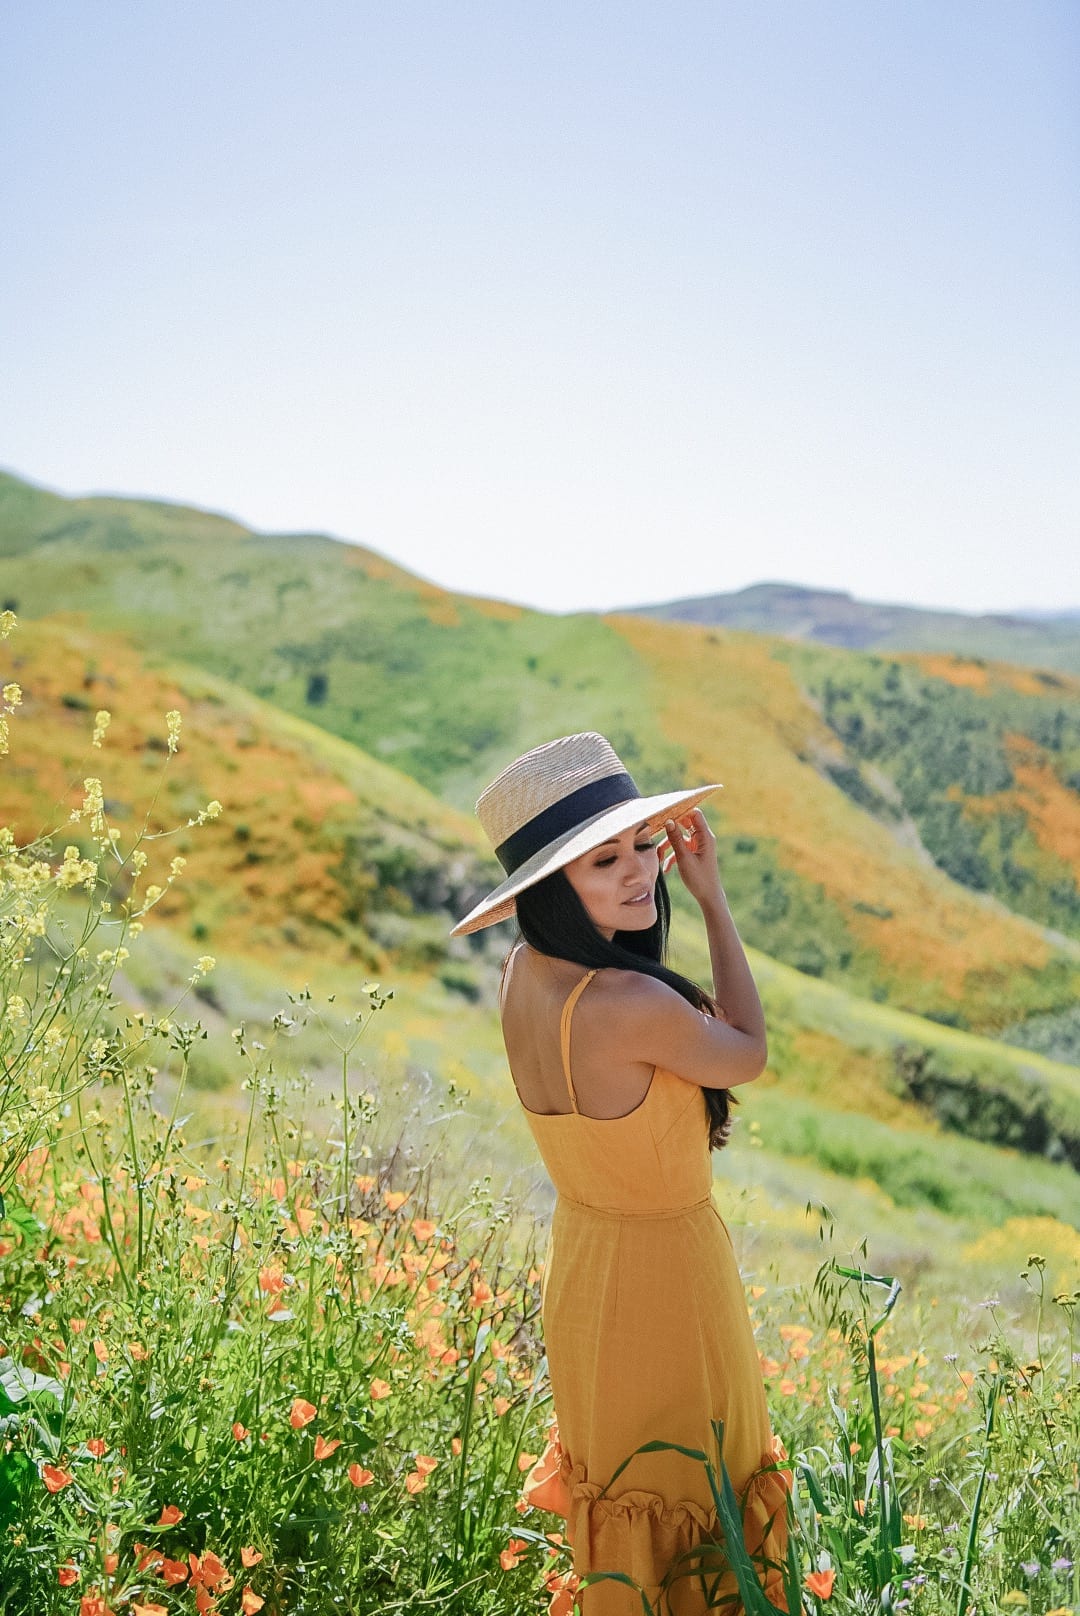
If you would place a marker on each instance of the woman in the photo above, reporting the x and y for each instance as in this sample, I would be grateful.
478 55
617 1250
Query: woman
623 1068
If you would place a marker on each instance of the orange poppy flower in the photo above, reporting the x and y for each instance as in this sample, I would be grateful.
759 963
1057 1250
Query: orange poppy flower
394 1199
511 1555
424 1464
561 1588
210 1570
250 1557
455 1446
821 1583
250 1601
93 1604
101 1352
323 1448
66 1575
56 1478
97 1446
170 1515
173 1571
148 1610
110 1563
423 1228
379 1388
360 1477
301 1413
415 1482
240 1432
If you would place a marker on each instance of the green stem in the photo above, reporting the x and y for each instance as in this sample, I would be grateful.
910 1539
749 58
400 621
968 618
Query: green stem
973 1532
102 1178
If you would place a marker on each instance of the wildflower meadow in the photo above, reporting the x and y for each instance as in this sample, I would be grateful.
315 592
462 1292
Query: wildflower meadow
288 1365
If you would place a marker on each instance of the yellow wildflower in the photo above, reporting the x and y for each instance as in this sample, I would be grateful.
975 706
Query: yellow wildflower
174 720
8 621
76 871
204 964
102 720
16 1012
93 806
13 694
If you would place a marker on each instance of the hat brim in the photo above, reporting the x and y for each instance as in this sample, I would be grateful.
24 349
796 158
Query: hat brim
499 904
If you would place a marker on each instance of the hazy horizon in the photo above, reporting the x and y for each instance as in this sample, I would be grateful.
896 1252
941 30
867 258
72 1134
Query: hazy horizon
1033 612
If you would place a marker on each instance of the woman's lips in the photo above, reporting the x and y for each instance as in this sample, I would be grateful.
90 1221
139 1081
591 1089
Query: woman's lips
644 897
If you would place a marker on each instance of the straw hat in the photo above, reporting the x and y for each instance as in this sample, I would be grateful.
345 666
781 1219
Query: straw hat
555 803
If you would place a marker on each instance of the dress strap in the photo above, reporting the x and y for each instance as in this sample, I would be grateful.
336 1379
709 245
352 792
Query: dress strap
564 1032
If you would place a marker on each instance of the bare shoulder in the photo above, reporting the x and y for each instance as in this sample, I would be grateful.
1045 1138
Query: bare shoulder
633 994
647 1021
627 1009
625 985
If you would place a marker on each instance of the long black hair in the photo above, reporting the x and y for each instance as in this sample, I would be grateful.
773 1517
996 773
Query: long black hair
554 921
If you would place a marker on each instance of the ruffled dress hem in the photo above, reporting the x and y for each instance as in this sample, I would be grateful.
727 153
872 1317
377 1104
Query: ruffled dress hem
644 1534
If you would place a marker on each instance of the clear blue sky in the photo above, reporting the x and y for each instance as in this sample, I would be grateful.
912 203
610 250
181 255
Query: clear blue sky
575 303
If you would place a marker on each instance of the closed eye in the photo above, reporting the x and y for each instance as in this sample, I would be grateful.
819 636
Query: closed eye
639 847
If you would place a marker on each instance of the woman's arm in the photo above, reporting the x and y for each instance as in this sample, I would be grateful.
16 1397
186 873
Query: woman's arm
654 1024
693 847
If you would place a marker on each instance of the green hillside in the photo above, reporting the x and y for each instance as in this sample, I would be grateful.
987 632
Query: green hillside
326 864
445 688
319 848
987 768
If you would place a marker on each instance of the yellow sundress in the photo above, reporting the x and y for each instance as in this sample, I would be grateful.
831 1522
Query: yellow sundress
648 1338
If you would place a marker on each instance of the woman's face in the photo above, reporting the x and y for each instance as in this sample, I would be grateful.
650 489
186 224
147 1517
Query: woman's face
617 882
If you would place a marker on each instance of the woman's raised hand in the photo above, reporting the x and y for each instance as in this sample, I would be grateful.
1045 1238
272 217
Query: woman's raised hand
691 845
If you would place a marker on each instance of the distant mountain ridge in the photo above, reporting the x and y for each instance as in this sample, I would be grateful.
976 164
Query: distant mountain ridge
834 617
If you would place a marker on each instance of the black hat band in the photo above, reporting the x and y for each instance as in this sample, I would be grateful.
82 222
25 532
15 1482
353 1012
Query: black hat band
565 815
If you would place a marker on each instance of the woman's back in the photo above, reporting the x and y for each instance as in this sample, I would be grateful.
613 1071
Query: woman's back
536 990
651 1158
